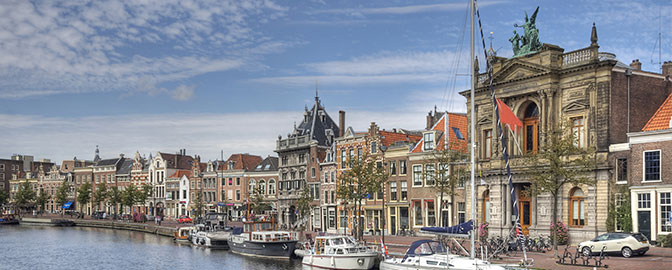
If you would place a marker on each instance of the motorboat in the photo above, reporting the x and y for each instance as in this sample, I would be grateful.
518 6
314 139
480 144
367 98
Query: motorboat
204 236
338 252
182 234
8 220
260 239
431 255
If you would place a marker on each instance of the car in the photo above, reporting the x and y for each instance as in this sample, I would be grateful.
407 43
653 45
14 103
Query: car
627 244
99 215
184 219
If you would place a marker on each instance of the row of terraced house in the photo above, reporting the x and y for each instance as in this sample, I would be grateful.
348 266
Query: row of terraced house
621 111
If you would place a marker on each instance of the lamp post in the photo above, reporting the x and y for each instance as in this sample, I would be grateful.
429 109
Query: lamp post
383 148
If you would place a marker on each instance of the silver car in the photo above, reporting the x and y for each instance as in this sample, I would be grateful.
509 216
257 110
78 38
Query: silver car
627 244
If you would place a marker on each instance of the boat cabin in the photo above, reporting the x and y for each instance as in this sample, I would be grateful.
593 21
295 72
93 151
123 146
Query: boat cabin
337 245
270 236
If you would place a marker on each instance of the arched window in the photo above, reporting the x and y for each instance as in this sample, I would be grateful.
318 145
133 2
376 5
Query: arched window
531 128
271 187
262 186
577 212
253 186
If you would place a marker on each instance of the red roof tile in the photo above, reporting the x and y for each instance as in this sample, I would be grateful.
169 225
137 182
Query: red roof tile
455 120
179 174
660 119
390 138
244 161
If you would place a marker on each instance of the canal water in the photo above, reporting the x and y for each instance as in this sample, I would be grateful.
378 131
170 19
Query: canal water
41 247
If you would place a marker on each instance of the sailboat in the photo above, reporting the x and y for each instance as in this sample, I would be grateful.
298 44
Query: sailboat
430 254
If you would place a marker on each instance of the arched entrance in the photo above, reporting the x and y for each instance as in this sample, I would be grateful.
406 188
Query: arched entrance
531 128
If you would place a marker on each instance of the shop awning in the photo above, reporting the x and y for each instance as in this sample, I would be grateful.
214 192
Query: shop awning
67 205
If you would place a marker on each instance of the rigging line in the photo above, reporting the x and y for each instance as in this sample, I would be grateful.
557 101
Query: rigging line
448 105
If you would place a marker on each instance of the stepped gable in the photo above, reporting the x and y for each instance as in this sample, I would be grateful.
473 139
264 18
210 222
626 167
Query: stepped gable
661 119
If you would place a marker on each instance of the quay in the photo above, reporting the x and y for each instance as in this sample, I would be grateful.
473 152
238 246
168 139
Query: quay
106 224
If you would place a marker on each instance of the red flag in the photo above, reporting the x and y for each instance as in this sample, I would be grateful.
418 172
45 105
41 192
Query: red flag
507 117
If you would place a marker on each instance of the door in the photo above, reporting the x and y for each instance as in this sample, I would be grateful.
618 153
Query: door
644 223
525 216
393 225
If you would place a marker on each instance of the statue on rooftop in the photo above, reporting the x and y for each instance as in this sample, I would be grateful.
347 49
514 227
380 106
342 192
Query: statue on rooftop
529 42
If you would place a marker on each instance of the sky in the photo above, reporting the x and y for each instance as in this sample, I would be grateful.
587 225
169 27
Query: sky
218 75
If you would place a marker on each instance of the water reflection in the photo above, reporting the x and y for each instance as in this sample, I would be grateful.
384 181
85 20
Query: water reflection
37 247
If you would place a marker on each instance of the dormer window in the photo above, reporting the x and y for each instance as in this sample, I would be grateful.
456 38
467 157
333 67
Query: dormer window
428 144
195 173
231 164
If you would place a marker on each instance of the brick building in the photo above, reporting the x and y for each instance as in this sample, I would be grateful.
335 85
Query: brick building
234 183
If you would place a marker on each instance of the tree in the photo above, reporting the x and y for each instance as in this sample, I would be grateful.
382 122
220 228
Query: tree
4 197
199 204
100 195
62 195
42 199
83 195
257 201
25 196
560 162
115 198
303 204
447 174
360 181
129 197
143 194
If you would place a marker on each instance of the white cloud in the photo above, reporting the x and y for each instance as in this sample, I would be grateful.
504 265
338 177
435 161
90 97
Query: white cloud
183 93
402 10
203 134
52 47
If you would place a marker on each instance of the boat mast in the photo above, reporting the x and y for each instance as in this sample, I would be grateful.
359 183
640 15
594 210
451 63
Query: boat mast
472 143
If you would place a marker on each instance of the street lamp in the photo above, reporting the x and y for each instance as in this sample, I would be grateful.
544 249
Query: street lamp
383 148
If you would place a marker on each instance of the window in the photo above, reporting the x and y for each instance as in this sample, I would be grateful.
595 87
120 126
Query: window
333 196
374 147
578 131
487 143
302 175
644 200
351 154
333 177
326 196
531 129
302 158
359 153
461 212
284 160
429 174
238 195
237 181
393 167
393 191
342 159
652 165
418 213
312 172
326 177
343 219
431 214
622 170
404 190
577 210
620 202
2 167
271 187
417 175
262 187
402 167
665 212
428 143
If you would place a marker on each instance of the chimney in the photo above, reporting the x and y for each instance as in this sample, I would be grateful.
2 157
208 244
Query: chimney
667 68
341 123
430 120
121 156
636 65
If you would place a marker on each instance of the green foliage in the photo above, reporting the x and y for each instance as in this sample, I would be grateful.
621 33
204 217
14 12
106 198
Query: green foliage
129 196
114 194
62 194
559 229
303 204
42 199
665 240
620 214
83 194
4 197
257 201
25 196
143 194
100 195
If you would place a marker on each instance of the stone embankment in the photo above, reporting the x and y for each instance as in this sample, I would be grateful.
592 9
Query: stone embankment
107 224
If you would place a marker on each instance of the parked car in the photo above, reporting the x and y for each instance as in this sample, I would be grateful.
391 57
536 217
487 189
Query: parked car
184 219
99 215
627 244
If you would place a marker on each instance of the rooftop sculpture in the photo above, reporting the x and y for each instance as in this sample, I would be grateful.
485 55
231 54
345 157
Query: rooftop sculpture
529 42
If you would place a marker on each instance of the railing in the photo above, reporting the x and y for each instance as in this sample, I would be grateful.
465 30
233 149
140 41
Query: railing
292 142
581 56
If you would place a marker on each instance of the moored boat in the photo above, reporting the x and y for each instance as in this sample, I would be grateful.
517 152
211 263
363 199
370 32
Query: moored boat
8 220
432 255
201 235
260 239
338 252
182 234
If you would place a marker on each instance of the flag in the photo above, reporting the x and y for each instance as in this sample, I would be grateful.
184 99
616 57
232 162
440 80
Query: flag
507 117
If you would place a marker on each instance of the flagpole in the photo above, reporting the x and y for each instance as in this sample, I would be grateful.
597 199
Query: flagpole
472 143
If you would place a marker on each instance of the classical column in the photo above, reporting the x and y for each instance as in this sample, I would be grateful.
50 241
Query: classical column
508 207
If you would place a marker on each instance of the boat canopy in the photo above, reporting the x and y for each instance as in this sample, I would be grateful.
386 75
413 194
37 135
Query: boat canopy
462 228
425 247
67 205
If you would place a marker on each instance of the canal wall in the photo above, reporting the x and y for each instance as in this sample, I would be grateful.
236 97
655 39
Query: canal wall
128 226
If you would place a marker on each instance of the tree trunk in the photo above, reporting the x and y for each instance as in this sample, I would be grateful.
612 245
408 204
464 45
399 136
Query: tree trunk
441 206
554 221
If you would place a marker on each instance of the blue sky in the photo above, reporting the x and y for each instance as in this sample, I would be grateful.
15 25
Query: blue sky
233 75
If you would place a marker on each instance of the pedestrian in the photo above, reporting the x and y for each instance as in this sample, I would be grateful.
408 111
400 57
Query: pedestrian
160 220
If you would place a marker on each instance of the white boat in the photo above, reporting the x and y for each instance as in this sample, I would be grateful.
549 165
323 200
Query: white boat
432 255
200 236
183 234
338 252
